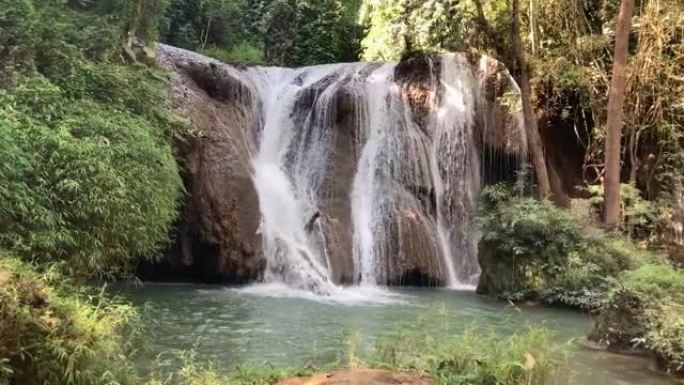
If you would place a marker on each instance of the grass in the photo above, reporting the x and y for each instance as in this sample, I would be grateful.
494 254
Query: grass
183 368
244 53
53 335
474 357
655 281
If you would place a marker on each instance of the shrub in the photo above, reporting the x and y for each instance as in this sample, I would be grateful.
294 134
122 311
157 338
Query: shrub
244 53
647 312
665 334
80 182
51 335
87 174
640 217
661 289
533 250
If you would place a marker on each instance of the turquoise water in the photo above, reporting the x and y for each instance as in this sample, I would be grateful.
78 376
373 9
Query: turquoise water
233 326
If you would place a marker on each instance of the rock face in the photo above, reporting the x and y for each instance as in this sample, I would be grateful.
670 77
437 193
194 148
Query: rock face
218 238
620 323
346 173
362 377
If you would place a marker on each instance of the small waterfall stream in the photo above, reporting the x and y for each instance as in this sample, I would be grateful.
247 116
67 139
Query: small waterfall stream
367 173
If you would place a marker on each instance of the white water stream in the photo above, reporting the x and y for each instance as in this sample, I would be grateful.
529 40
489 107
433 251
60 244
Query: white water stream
411 197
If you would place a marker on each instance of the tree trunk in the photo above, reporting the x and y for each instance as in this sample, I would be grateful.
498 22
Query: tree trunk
616 98
536 146
204 37
492 38
131 31
481 19
533 28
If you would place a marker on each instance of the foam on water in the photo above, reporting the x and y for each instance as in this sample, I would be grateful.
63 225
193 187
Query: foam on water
349 296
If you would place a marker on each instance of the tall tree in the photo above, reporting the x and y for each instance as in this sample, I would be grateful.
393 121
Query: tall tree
139 21
536 146
616 98
423 24
306 32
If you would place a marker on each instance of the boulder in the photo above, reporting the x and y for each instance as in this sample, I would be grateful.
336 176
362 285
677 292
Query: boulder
362 377
217 238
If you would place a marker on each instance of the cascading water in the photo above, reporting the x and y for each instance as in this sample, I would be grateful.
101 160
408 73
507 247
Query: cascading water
287 170
456 169
368 173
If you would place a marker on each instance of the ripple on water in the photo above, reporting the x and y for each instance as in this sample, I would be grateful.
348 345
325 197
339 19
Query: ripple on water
274 323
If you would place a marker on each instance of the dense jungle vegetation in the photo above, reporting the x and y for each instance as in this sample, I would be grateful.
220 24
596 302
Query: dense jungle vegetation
89 184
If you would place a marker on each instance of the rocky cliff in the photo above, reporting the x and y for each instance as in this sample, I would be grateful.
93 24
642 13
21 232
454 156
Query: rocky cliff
443 144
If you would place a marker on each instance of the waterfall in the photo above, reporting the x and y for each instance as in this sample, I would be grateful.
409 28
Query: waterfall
287 173
369 173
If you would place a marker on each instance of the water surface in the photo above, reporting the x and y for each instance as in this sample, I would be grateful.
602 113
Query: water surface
273 324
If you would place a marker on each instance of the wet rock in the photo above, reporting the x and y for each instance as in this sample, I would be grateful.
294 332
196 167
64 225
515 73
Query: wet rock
362 377
218 238
411 255
620 322
416 74
219 233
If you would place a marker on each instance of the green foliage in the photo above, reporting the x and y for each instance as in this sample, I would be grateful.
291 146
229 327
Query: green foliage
648 312
183 368
276 32
242 54
279 25
535 250
53 335
319 32
137 17
640 217
474 357
82 183
194 24
305 32
87 174
665 333
397 27
15 53
537 233
655 281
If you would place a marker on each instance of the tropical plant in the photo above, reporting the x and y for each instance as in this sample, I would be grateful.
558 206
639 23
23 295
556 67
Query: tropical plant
87 173
535 250
53 335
